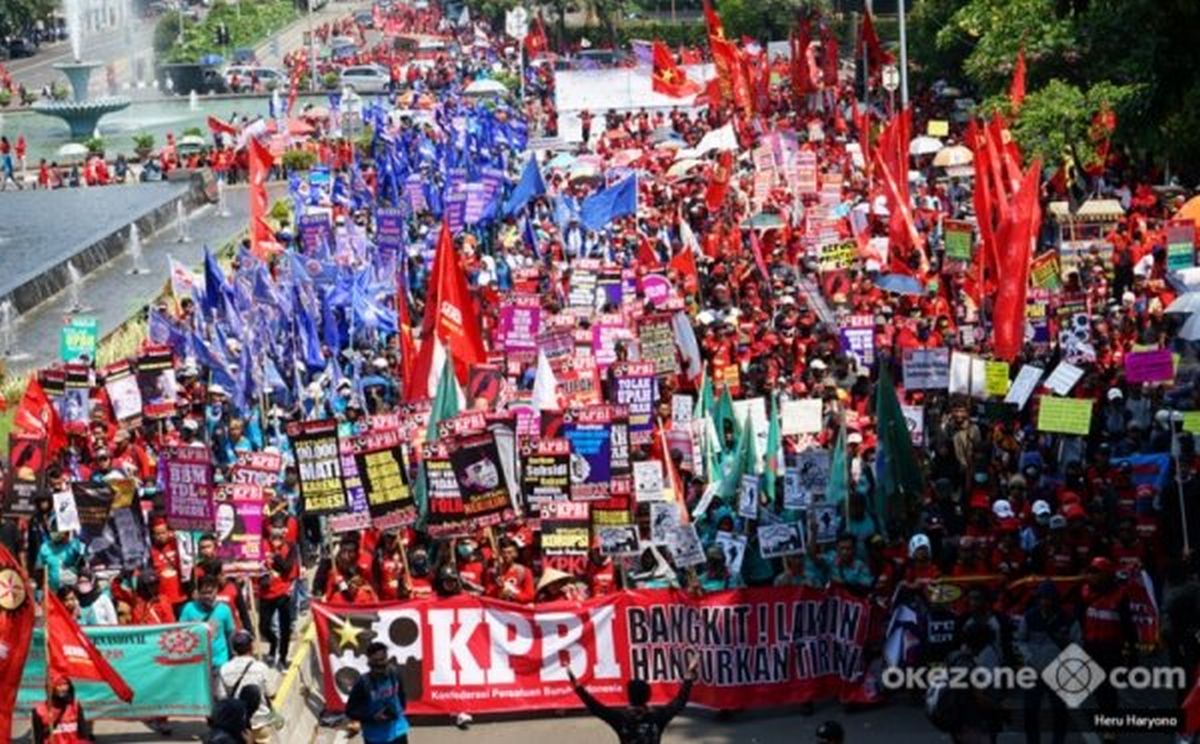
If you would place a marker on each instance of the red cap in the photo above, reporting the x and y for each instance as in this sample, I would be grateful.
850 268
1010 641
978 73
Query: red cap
1102 565
1074 511
980 501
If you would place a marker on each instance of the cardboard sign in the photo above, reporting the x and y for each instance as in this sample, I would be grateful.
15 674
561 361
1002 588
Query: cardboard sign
914 417
685 546
379 459
122 387
1149 366
926 369
618 540
187 478
566 535
1044 271
66 514
801 416
319 464
968 375
1023 387
1181 244
239 527
734 547
748 497
682 409
1065 415
664 521
937 128
813 469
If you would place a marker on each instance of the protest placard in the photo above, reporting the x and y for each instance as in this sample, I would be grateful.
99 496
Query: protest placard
1181 244
123 392
812 469
379 458
664 521
1064 377
802 416
78 337
1044 271
479 469
187 481
858 337
996 378
1064 415
545 471
968 375
682 408
566 535
748 497
66 514
1023 387
937 128
656 340
258 468
318 463
648 481
778 540
618 540
926 369
734 548
835 256
636 387
825 519
795 497
914 417
959 239
589 430
239 527
685 546
1149 366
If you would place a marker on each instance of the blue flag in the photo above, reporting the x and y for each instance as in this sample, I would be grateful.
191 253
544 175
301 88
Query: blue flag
214 284
528 187
603 207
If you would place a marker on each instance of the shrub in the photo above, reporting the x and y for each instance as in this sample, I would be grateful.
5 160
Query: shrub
95 145
5 98
299 160
143 141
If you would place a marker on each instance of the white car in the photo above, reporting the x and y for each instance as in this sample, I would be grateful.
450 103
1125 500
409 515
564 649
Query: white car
246 75
366 78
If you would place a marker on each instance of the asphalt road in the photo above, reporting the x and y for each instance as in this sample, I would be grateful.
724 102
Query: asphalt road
114 45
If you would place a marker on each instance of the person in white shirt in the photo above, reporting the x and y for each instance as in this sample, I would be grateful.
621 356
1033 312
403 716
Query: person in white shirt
242 671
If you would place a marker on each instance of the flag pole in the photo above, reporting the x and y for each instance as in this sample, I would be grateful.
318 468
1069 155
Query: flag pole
46 628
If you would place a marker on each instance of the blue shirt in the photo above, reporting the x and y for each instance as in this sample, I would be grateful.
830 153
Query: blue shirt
383 693
221 617
56 556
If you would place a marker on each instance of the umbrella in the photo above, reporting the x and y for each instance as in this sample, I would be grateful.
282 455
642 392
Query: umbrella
624 158
72 152
669 145
924 146
663 134
1191 329
583 171
900 284
316 112
1185 304
561 161
299 127
680 168
953 155
211 59
1190 210
191 142
764 221
485 87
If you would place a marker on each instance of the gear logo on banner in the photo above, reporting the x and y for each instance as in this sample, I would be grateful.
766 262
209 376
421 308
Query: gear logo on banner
1073 675
351 634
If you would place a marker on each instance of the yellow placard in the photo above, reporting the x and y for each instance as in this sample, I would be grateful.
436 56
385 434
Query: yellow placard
1065 415
996 378
1191 421
937 128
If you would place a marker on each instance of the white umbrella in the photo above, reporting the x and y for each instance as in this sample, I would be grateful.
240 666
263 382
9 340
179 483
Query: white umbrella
485 87
1191 329
72 152
954 155
924 145
1184 304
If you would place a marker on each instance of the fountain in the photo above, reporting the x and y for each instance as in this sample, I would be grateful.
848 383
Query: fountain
135 252
8 333
74 287
222 204
193 100
181 224
80 112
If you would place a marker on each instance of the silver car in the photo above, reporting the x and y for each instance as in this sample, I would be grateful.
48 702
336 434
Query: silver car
366 78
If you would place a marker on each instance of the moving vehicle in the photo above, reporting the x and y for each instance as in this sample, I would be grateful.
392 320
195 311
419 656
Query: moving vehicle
366 78
242 77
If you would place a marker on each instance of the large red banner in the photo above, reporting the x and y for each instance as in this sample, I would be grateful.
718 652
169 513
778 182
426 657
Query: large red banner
756 647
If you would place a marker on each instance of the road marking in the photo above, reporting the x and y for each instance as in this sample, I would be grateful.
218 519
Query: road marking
293 672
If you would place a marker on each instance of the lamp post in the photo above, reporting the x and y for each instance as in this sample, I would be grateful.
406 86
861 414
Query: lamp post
903 56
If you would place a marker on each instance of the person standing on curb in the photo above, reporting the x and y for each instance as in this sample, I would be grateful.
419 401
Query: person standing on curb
639 723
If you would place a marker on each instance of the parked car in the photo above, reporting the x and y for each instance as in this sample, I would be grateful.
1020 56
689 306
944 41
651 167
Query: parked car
240 78
365 19
366 78
19 46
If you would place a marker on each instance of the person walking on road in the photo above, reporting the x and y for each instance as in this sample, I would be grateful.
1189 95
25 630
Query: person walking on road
377 700
639 723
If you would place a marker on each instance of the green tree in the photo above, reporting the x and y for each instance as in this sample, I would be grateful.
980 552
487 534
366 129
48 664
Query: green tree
1055 121
764 19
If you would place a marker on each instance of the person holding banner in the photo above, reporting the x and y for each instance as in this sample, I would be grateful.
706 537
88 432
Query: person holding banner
639 723
508 579
60 720
282 569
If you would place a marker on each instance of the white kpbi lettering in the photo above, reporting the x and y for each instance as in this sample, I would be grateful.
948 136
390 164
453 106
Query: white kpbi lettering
451 647
513 634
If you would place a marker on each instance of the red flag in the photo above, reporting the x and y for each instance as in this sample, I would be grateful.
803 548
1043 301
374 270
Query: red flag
667 78
535 40
829 58
731 74
718 187
37 416
262 241
756 249
16 633
801 79
1014 243
876 56
684 262
449 311
292 92
713 21
1016 89
72 653
217 126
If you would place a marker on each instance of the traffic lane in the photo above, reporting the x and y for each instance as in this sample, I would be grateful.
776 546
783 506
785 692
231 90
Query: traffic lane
38 70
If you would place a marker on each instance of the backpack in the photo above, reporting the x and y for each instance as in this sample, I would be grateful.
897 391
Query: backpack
641 729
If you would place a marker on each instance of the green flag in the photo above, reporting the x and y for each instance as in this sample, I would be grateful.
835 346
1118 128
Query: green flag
773 462
445 405
724 412
705 402
838 489
899 481
737 462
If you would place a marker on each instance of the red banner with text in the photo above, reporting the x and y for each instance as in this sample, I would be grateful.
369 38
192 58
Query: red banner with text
757 648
